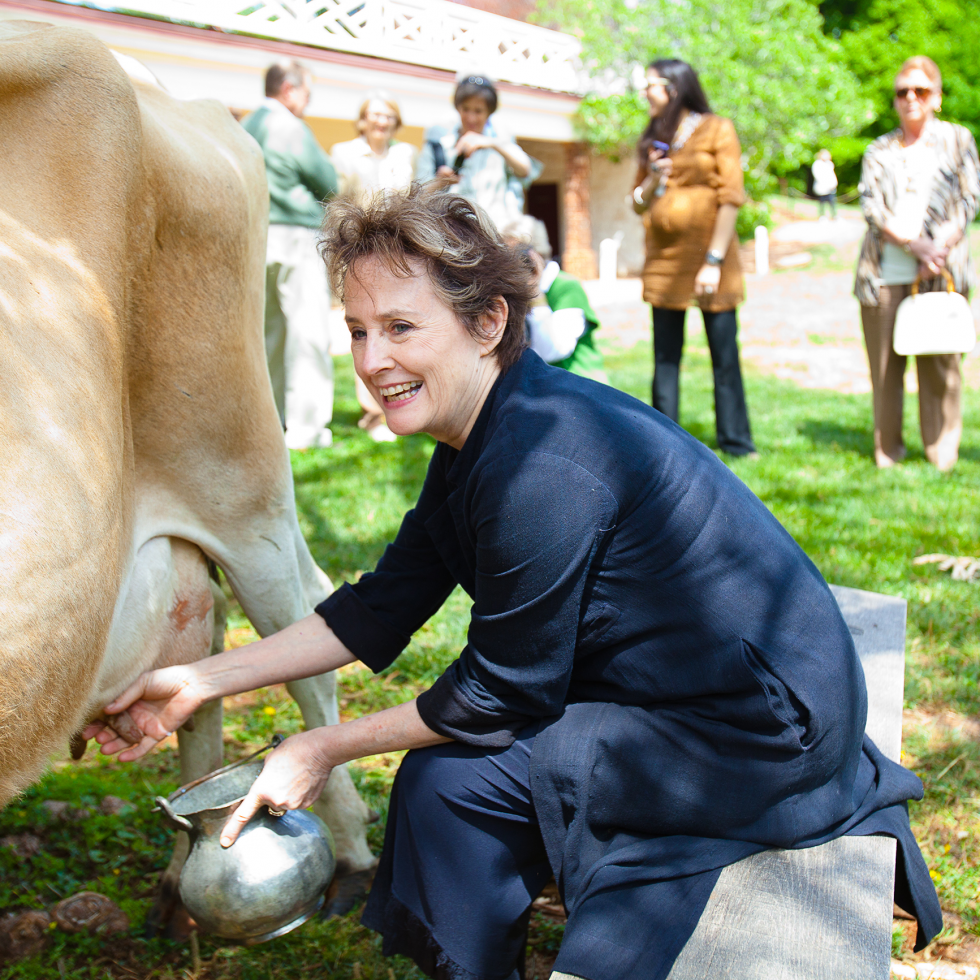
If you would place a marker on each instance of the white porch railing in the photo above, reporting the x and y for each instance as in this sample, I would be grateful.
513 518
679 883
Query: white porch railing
436 33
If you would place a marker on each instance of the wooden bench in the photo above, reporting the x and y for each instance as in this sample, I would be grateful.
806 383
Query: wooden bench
823 913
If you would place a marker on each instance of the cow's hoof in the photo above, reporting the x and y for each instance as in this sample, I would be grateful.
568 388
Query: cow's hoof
180 926
346 891
164 910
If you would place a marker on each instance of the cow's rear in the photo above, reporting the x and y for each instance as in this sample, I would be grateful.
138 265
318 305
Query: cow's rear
70 156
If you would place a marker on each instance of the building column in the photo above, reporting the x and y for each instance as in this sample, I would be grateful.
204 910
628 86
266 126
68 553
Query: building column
578 259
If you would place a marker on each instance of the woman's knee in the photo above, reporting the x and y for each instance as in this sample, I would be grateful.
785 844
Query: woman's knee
424 773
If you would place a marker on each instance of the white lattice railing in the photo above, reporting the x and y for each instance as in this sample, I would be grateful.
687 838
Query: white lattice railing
425 32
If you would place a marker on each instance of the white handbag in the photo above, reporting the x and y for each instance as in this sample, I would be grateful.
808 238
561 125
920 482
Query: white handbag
934 323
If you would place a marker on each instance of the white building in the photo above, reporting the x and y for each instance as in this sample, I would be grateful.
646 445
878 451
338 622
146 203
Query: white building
221 48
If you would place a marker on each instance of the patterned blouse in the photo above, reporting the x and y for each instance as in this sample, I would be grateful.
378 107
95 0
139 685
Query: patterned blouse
955 196
485 177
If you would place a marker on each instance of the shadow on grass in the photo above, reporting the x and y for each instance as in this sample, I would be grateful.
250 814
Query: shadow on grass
835 436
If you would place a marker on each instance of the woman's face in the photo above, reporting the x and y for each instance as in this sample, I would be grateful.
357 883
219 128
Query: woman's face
473 114
379 121
424 367
658 92
916 98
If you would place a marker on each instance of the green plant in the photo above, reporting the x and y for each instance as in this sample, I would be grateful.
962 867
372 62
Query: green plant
751 215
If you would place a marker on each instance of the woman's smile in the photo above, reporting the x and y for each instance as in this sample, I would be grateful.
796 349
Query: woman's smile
393 394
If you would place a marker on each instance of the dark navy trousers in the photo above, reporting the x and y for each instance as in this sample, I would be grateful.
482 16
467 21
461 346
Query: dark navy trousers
464 858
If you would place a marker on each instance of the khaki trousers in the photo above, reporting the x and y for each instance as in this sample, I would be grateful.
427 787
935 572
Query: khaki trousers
297 335
940 420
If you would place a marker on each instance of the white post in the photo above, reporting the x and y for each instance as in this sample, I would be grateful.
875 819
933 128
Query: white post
608 260
761 251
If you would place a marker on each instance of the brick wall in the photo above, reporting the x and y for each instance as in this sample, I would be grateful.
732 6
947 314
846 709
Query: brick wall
578 258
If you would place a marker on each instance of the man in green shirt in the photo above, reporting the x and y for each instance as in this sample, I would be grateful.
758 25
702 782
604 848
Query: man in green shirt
297 305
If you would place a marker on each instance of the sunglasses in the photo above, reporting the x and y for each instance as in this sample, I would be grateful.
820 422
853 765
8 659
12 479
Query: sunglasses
920 92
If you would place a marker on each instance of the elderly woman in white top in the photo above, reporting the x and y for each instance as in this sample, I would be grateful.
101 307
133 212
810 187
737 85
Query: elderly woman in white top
475 159
920 190
374 162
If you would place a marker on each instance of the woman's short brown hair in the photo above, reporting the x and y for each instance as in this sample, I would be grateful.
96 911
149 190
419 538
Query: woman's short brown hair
921 63
468 263
378 95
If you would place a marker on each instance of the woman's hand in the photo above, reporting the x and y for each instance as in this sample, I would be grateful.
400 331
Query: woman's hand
469 143
707 280
292 778
159 702
661 166
446 176
931 256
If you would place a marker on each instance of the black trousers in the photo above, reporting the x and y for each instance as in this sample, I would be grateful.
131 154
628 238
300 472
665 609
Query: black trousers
731 414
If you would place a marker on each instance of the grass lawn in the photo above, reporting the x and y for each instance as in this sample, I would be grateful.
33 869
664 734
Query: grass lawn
862 528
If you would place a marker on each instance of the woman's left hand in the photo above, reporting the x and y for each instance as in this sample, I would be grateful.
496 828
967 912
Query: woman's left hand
707 280
292 778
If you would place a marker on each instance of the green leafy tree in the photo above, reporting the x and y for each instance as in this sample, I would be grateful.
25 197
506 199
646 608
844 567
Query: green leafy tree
766 64
876 36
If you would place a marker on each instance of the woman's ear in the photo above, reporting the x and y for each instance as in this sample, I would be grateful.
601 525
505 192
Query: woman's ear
494 323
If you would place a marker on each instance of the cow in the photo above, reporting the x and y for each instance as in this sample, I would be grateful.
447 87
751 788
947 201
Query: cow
141 442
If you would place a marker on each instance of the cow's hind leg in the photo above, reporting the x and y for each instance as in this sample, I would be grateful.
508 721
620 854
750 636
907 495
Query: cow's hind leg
201 752
340 806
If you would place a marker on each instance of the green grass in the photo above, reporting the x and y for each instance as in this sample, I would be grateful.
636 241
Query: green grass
862 527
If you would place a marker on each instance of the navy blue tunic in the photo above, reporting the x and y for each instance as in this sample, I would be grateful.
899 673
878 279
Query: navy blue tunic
696 691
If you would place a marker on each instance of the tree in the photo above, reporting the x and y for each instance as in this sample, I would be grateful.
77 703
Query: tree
878 35
766 64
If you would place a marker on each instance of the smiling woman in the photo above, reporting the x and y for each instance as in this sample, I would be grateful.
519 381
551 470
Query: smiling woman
656 681
435 304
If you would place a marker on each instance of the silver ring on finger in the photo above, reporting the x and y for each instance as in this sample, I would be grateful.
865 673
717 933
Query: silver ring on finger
276 813
709 289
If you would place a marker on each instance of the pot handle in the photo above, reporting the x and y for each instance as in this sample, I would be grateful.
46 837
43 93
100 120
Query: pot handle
174 819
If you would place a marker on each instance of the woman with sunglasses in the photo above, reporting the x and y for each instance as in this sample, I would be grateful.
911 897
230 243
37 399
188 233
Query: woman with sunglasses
919 191
688 189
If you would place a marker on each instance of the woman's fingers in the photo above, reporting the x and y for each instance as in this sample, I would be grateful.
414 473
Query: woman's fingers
291 779
129 752
132 693
236 822
92 729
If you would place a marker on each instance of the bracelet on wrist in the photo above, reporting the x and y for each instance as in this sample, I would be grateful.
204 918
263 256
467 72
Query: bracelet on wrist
907 247
714 258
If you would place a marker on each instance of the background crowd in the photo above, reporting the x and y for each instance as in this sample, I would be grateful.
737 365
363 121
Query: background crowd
920 190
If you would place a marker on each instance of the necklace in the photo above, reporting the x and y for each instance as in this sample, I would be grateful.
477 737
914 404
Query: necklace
685 130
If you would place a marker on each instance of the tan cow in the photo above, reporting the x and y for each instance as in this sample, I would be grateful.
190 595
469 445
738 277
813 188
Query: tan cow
137 423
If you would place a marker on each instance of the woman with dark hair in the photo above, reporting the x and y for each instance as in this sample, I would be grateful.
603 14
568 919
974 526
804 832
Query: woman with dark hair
688 189
474 158
656 681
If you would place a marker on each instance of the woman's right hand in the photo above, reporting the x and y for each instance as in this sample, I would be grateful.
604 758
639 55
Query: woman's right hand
660 164
159 701
446 176
931 255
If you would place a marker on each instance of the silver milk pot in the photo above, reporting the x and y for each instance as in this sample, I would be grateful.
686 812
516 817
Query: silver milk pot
271 880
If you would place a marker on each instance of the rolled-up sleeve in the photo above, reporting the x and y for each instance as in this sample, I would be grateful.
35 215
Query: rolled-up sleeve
537 521
376 617
969 178
728 160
